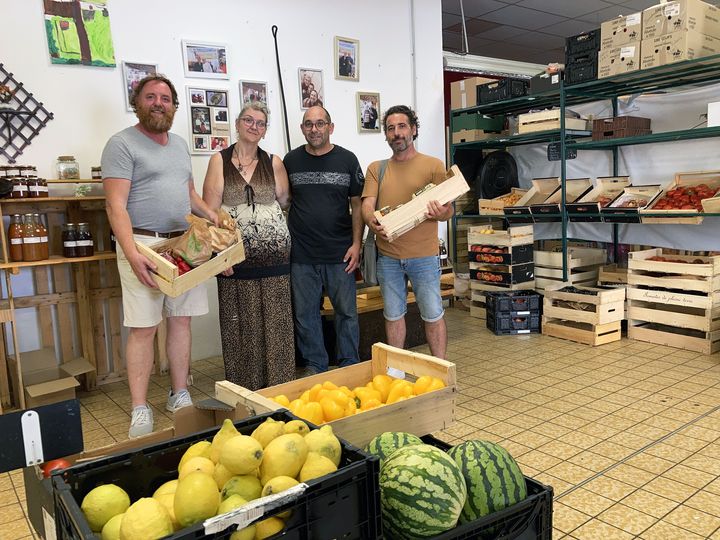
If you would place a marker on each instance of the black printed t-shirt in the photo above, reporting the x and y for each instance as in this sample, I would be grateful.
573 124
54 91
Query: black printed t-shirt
319 219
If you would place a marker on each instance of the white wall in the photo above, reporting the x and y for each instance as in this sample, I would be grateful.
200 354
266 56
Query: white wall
88 101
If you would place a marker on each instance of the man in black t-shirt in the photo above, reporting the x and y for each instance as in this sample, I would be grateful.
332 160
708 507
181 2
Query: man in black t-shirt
325 181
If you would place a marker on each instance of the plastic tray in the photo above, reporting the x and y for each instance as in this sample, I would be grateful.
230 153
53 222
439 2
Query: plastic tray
513 301
512 323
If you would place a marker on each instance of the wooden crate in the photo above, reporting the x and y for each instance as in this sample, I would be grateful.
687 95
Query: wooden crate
589 334
686 180
476 285
420 415
601 307
513 236
605 190
574 189
671 336
629 202
582 266
547 121
642 271
494 207
539 191
411 214
612 274
167 274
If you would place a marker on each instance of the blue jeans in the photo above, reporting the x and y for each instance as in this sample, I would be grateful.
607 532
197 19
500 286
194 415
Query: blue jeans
308 281
423 273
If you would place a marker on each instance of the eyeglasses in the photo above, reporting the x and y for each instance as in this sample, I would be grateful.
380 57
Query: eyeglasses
249 121
320 124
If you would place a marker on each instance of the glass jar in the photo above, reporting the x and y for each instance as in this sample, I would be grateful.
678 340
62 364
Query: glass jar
15 234
20 188
69 240
31 249
42 234
43 188
84 240
68 168
96 173
34 185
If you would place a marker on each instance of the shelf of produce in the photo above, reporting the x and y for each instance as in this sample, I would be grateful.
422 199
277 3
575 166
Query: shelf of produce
54 259
537 137
668 136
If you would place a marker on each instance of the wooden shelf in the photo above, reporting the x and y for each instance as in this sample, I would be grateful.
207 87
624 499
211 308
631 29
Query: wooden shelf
30 200
54 259
75 181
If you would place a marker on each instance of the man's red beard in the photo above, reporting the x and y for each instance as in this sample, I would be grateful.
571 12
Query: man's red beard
155 123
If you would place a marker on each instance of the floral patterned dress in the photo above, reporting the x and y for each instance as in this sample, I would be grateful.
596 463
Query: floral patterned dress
256 324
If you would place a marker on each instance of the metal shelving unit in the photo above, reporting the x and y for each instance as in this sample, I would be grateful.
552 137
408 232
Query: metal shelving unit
661 79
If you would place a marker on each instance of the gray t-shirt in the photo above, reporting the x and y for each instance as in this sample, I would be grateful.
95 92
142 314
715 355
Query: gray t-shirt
159 197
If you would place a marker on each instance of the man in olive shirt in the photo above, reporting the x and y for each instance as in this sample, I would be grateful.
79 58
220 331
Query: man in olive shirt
414 255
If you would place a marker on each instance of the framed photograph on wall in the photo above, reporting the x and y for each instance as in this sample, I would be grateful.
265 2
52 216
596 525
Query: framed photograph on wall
368 111
253 91
312 91
133 73
207 60
210 120
347 59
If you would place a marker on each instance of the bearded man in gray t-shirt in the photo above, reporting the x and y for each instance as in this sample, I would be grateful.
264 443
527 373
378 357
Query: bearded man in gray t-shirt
149 190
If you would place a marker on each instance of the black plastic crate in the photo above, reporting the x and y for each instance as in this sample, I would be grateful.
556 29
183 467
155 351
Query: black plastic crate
345 504
502 89
530 519
513 301
587 41
501 255
511 323
504 276
581 67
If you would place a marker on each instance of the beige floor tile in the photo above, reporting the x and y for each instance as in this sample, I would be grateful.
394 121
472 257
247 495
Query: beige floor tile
669 452
649 502
10 513
687 443
703 463
580 440
538 460
599 530
689 476
590 460
627 519
560 450
551 430
567 519
667 531
459 429
650 463
704 434
8 496
531 439
694 520
559 486
630 440
705 501
670 489
630 475
16 530
586 501
610 488
570 472
612 450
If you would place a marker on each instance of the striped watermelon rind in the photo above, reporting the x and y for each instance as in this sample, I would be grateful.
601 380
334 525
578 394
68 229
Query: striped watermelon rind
422 492
493 478
386 443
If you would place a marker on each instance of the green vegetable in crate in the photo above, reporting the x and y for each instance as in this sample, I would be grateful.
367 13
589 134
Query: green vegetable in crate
493 478
102 503
422 492
386 443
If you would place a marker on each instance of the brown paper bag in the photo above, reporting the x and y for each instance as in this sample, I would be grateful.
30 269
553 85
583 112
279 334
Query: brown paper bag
194 246
224 236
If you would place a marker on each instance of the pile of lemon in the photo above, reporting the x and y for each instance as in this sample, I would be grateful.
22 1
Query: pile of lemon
326 401
215 477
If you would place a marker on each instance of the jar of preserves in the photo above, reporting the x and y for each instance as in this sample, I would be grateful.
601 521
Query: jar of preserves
43 188
31 248
84 240
20 189
96 173
34 185
68 168
69 240
15 235
42 234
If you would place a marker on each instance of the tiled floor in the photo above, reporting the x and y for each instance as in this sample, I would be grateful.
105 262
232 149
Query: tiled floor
628 434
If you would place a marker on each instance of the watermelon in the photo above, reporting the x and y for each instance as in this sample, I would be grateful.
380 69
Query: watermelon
422 492
493 478
386 443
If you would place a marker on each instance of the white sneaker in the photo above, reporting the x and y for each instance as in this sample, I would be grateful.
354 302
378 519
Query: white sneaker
178 400
142 421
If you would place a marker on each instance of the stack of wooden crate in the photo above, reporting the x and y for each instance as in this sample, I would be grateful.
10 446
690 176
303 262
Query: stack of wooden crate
461 230
674 300
499 261
582 266
589 315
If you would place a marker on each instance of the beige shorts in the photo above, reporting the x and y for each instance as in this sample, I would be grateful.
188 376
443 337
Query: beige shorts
144 307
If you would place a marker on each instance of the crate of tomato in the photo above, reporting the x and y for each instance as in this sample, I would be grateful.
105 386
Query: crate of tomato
685 195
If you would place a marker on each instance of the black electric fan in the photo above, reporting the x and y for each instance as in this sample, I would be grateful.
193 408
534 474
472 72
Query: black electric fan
496 176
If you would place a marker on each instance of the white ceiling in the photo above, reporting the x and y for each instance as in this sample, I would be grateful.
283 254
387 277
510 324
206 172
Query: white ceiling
528 30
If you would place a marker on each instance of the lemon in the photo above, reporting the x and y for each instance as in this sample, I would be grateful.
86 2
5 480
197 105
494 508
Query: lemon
197 464
241 454
268 527
276 485
196 499
297 426
102 503
325 443
146 519
248 533
284 456
226 432
316 466
267 431
201 448
167 487
111 530
231 503
248 486
168 501
221 475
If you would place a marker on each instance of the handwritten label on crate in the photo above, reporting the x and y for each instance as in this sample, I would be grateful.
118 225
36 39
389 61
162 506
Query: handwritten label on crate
553 152
665 297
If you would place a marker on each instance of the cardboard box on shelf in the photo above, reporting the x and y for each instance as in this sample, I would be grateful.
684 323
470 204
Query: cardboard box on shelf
668 17
676 47
621 31
619 60
463 94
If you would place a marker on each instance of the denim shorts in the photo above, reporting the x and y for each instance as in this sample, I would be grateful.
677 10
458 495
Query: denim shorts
423 273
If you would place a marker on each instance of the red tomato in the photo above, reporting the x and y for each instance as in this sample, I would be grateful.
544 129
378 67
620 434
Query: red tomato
55 464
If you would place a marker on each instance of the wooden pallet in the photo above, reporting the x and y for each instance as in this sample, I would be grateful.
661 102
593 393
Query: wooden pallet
602 307
589 334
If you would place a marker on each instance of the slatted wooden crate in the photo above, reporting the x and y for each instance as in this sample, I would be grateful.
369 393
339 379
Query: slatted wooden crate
590 305
674 301
582 266
589 334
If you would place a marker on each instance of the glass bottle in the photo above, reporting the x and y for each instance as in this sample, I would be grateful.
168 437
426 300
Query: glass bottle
443 253
15 234
84 240
41 232
31 249
69 239
68 168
